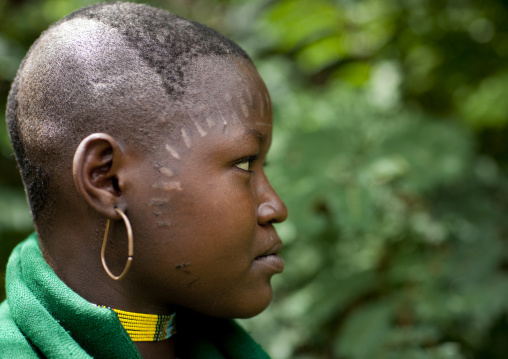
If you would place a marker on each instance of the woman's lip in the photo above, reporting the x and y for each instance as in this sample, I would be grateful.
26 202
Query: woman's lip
273 261
274 249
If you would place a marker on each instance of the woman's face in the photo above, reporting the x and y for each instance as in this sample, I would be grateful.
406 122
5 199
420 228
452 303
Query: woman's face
202 210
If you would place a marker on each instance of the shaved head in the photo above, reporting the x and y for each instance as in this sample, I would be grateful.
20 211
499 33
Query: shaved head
106 68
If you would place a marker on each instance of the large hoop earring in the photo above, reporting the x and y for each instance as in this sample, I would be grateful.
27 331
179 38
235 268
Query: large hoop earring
130 249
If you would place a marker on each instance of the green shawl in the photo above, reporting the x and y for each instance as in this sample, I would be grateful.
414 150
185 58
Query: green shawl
42 317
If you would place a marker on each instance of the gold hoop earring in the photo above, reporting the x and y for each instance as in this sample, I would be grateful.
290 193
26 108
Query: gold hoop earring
130 238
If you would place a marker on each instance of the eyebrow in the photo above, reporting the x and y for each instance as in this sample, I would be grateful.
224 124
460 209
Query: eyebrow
258 135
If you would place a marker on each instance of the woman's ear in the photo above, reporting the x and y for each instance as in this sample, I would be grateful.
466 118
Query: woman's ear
95 169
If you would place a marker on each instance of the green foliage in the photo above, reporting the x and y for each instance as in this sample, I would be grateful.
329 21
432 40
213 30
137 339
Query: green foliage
431 43
384 236
390 152
395 241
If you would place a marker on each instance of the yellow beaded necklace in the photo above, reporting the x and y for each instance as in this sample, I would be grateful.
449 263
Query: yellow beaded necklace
146 327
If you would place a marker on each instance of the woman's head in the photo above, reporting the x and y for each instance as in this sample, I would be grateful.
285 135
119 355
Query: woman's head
125 106
102 68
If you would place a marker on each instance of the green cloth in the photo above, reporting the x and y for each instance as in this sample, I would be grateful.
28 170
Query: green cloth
42 317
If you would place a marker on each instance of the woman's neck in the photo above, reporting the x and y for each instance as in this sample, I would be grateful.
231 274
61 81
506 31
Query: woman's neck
155 350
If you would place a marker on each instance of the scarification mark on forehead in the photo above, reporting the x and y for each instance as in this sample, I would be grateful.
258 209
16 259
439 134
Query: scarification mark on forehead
263 124
166 172
169 186
211 123
261 103
245 108
224 122
156 214
172 152
235 118
186 138
201 132
158 202
250 97
252 80
163 224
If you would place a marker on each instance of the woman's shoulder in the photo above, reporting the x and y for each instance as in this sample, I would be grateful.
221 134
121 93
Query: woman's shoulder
13 344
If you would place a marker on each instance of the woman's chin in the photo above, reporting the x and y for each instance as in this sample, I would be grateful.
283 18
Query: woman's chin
244 308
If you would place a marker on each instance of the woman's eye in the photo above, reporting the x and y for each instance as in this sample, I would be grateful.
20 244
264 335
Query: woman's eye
244 165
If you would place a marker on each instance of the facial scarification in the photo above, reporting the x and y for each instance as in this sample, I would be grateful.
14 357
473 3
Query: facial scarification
263 124
209 202
211 123
224 122
201 132
245 109
172 152
166 171
186 138
261 103
157 202
241 105
236 119
169 186
163 224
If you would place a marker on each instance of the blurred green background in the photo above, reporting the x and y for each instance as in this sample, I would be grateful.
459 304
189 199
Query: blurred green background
391 152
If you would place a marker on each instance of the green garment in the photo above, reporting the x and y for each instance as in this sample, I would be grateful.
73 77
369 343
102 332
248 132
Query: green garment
42 317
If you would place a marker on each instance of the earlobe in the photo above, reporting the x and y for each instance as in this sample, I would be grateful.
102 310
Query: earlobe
95 170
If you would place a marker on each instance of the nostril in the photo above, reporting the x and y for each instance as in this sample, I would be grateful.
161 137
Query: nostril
265 210
269 213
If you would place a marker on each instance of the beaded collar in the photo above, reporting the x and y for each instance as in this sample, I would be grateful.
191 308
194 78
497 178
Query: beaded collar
146 327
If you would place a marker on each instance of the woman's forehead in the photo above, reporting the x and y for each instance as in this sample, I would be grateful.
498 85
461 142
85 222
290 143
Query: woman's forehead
225 80
224 97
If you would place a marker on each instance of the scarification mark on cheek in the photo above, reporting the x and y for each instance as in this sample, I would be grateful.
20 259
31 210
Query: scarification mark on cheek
172 152
166 172
163 224
169 186
263 124
186 138
156 202
201 132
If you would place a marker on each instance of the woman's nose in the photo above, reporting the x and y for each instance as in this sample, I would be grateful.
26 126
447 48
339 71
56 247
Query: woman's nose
271 208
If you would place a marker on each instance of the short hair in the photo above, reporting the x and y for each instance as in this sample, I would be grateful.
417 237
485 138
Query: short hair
96 70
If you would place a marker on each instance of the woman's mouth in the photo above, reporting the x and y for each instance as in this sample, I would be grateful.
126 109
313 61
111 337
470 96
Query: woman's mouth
270 257
273 261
